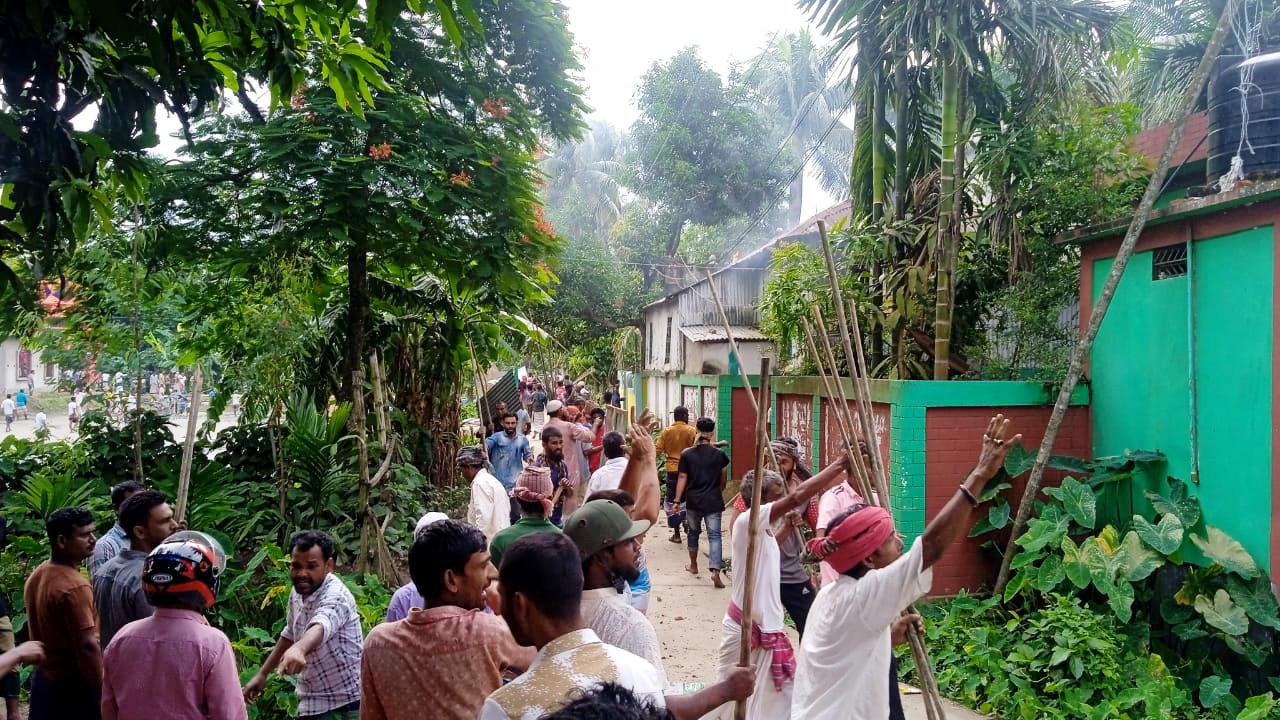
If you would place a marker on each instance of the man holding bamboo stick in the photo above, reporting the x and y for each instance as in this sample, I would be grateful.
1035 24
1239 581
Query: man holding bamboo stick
770 647
855 620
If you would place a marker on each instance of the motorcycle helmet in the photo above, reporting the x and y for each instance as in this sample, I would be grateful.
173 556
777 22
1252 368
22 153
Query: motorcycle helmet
184 570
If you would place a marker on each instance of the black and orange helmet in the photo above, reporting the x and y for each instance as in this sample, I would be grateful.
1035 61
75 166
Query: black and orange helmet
184 569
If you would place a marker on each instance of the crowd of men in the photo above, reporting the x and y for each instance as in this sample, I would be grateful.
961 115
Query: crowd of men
533 606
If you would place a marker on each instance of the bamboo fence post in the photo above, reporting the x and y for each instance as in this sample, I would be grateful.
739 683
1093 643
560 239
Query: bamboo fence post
189 445
481 411
733 347
1076 367
748 604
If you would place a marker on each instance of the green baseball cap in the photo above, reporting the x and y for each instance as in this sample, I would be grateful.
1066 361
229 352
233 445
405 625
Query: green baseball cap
601 524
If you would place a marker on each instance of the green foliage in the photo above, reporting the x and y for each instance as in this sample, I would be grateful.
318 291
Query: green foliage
1058 660
797 280
1201 622
699 153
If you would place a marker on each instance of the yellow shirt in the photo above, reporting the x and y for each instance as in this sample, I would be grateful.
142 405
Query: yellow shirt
674 440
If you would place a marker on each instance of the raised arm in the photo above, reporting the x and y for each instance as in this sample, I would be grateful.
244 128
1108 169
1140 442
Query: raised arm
640 479
957 516
796 499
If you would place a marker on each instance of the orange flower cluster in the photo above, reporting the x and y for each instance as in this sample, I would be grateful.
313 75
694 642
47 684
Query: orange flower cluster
461 178
496 108
299 99
380 152
311 117
542 224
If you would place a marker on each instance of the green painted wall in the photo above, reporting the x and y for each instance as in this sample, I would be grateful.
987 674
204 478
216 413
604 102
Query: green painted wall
1140 386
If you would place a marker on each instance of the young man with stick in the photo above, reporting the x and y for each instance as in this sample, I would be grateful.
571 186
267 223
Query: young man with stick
855 620
770 647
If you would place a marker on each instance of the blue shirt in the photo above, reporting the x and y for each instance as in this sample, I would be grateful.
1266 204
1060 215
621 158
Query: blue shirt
20 399
507 454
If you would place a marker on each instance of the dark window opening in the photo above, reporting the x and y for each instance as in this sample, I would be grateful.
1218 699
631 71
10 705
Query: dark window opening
668 357
1169 262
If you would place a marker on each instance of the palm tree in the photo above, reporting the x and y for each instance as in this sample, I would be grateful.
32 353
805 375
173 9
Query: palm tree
792 82
587 171
1042 46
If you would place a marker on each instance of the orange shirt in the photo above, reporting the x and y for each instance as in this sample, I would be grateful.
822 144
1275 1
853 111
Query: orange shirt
675 439
59 610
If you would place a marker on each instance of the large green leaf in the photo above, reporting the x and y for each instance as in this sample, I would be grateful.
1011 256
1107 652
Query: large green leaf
1049 574
1101 564
1078 500
1048 529
1137 560
1019 460
1120 598
1213 689
1226 551
1077 571
1179 502
1222 613
1258 707
1165 536
1256 599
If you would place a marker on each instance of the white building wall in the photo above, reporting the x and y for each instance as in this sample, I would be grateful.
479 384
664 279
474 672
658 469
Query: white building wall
11 378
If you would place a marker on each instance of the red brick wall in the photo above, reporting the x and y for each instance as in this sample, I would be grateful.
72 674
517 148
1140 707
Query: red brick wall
953 439
832 441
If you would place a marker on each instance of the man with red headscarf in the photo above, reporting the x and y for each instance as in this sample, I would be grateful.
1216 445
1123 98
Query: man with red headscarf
855 620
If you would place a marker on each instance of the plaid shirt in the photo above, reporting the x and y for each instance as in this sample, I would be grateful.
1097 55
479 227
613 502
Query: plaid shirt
331 678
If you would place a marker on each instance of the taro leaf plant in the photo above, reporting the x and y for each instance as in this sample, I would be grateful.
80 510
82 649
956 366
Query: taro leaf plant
1209 608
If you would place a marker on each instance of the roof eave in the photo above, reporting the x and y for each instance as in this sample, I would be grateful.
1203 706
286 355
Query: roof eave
1178 210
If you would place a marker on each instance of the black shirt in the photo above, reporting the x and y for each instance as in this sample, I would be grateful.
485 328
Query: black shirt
703 465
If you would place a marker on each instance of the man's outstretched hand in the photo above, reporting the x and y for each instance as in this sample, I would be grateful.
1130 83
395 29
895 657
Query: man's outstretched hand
995 448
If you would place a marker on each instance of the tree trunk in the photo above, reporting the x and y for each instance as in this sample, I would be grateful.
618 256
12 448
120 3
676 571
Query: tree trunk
795 199
946 242
878 171
357 315
1078 354
900 139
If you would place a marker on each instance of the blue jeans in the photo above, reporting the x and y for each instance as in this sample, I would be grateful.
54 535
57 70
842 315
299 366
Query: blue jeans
696 519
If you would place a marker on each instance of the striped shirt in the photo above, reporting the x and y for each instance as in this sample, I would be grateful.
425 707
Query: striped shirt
331 678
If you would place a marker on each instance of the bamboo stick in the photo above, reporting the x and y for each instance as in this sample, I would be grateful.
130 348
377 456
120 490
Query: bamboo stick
862 392
189 445
379 399
748 600
1076 367
841 407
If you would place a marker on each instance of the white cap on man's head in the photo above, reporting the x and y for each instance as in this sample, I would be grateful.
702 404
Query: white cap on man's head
554 406
427 519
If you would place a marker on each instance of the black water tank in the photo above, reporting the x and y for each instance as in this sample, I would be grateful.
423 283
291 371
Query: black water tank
1264 116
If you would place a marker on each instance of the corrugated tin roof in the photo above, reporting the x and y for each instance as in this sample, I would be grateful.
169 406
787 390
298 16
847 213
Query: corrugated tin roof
715 333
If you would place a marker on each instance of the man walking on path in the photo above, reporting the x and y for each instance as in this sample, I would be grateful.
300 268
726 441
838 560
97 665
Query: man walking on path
703 473
608 540
538 406
407 596
60 614
117 588
672 441
174 664
20 401
508 451
321 640
609 476
770 647
573 435
490 506
855 620
553 459
541 587
9 408
533 493
115 540
449 655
